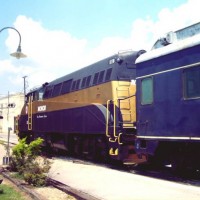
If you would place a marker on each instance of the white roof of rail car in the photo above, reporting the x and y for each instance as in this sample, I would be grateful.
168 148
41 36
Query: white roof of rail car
172 42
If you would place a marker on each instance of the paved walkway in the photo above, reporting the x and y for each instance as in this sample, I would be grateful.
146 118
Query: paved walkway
110 184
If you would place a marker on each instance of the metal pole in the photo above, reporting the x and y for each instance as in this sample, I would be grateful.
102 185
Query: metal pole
8 108
8 145
8 142
18 54
15 30
24 77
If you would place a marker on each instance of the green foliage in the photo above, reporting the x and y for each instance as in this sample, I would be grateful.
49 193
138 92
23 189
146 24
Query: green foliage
25 160
24 153
35 173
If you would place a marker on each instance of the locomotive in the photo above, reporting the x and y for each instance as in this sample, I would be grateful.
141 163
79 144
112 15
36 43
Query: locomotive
90 112
133 107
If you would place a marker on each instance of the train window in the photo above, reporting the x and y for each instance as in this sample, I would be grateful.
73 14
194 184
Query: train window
34 95
95 78
101 75
88 81
108 74
74 85
56 90
191 78
147 91
83 82
78 84
40 94
48 91
66 86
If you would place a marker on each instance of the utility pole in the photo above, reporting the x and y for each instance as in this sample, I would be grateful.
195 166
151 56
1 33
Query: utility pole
24 77
8 107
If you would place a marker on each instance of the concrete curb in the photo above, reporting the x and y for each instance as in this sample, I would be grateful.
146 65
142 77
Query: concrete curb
78 194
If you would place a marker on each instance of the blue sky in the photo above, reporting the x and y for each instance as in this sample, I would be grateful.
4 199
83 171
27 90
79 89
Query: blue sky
60 36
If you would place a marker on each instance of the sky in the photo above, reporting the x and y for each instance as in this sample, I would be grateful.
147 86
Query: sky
61 36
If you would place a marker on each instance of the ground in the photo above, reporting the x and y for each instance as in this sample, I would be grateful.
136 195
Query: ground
48 193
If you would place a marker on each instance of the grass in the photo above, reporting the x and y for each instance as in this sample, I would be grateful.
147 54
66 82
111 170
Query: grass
9 193
2 142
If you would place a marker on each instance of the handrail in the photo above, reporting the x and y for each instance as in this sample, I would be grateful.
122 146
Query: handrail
30 110
114 120
107 118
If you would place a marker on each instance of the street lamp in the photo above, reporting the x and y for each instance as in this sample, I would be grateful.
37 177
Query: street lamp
18 54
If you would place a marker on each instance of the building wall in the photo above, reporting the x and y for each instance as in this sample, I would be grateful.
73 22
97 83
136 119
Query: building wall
9 113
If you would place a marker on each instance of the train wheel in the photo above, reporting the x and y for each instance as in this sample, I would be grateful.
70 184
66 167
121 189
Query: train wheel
101 149
91 148
177 164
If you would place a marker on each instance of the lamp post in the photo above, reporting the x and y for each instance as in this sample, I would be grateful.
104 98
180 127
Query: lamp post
18 54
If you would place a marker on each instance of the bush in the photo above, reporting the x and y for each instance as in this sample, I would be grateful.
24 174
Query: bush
25 160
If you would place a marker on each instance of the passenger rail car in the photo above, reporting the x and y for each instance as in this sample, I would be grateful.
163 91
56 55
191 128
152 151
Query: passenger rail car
168 100
90 112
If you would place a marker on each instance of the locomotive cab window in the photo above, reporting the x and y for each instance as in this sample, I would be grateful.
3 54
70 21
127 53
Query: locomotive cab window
66 86
73 85
40 94
147 91
56 90
78 83
88 81
95 78
83 82
101 75
108 74
47 92
191 81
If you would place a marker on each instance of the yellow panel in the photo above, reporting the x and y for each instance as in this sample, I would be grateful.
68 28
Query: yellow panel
125 104
126 83
126 117
122 93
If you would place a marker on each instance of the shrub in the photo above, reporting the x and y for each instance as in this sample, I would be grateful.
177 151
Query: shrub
35 173
25 160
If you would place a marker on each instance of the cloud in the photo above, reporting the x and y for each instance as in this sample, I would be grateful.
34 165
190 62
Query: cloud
51 53
54 53
145 31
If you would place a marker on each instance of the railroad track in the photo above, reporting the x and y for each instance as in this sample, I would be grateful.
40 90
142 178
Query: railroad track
79 195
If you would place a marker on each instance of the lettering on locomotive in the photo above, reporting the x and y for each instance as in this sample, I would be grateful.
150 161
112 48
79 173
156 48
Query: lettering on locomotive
42 108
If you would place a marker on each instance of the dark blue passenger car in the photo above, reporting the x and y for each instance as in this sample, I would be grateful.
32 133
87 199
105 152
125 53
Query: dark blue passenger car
168 99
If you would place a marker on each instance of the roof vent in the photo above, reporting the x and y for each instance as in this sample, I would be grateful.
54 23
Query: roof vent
168 39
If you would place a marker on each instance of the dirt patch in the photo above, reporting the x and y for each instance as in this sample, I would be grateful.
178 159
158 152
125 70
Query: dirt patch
52 193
